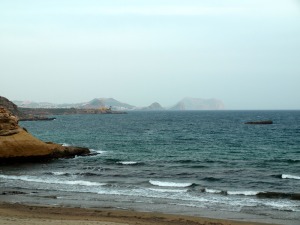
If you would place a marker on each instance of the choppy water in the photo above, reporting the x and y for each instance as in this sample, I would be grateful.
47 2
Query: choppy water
194 159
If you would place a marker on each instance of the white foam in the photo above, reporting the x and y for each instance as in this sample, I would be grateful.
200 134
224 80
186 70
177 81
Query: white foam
287 176
168 190
128 163
212 191
283 205
98 151
247 193
52 181
82 182
169 184
59 173
66 144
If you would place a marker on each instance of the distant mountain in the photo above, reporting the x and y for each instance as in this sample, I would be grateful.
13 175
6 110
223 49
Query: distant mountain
106 102
198 104
98 103
153 107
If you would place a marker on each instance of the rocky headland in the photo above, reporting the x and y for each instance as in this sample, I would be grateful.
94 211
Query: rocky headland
22 115
16 144
42 114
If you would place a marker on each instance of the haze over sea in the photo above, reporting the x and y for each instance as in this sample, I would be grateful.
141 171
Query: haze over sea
206 163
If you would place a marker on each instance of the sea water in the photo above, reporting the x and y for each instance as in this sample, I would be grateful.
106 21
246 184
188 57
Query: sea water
207 163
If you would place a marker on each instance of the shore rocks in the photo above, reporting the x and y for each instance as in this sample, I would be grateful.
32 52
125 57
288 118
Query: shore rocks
16 144
277 195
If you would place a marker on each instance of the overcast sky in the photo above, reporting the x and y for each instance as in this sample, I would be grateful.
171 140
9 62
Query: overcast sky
244 52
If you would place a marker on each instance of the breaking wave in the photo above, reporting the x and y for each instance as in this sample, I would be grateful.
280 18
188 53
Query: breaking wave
128 163
258 194
170 184
287 176
246 193
52 181
58 173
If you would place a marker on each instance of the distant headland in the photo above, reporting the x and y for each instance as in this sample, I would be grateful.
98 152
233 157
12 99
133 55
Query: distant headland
116 106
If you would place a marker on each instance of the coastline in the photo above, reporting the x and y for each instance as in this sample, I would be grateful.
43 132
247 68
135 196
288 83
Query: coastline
152 169
23 214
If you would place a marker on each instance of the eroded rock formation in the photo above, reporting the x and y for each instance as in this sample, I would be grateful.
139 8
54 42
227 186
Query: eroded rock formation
8 123
17 144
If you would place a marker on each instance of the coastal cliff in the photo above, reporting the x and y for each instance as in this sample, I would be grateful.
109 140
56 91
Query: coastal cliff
11 107
18 145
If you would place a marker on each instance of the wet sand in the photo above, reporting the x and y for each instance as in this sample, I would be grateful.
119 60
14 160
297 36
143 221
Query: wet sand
18 214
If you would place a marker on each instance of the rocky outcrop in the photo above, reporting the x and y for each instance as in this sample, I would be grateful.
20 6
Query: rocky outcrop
13 108
8 123
17 144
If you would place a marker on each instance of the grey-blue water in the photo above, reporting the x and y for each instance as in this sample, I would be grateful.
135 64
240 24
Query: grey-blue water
186 161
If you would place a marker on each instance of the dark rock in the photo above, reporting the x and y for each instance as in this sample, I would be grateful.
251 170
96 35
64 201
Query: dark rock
69 152
37 118
264 122
276 195
13 193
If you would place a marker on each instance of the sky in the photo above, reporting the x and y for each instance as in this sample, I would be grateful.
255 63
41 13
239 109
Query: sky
243 52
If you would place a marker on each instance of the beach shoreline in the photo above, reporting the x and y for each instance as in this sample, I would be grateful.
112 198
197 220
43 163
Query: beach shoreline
23 214
17 204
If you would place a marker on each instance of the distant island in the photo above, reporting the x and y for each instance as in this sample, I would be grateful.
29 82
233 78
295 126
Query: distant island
198 104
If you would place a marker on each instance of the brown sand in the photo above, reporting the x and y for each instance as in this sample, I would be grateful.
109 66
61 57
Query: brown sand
17 214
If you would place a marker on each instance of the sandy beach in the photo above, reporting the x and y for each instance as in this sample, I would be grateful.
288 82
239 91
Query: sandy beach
18 214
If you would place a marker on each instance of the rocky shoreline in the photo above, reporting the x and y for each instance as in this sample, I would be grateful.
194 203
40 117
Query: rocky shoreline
37 118
44 113
16 144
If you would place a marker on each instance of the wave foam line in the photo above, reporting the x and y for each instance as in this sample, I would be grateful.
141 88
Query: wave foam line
98 151
52 181
57 173
127 163
66 144
246 193
213 191
287 176
169 184
168 190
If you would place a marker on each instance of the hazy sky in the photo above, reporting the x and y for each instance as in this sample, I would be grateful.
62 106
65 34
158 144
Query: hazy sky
244 52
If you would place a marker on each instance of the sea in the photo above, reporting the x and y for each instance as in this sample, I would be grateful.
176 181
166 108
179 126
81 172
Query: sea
199 163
